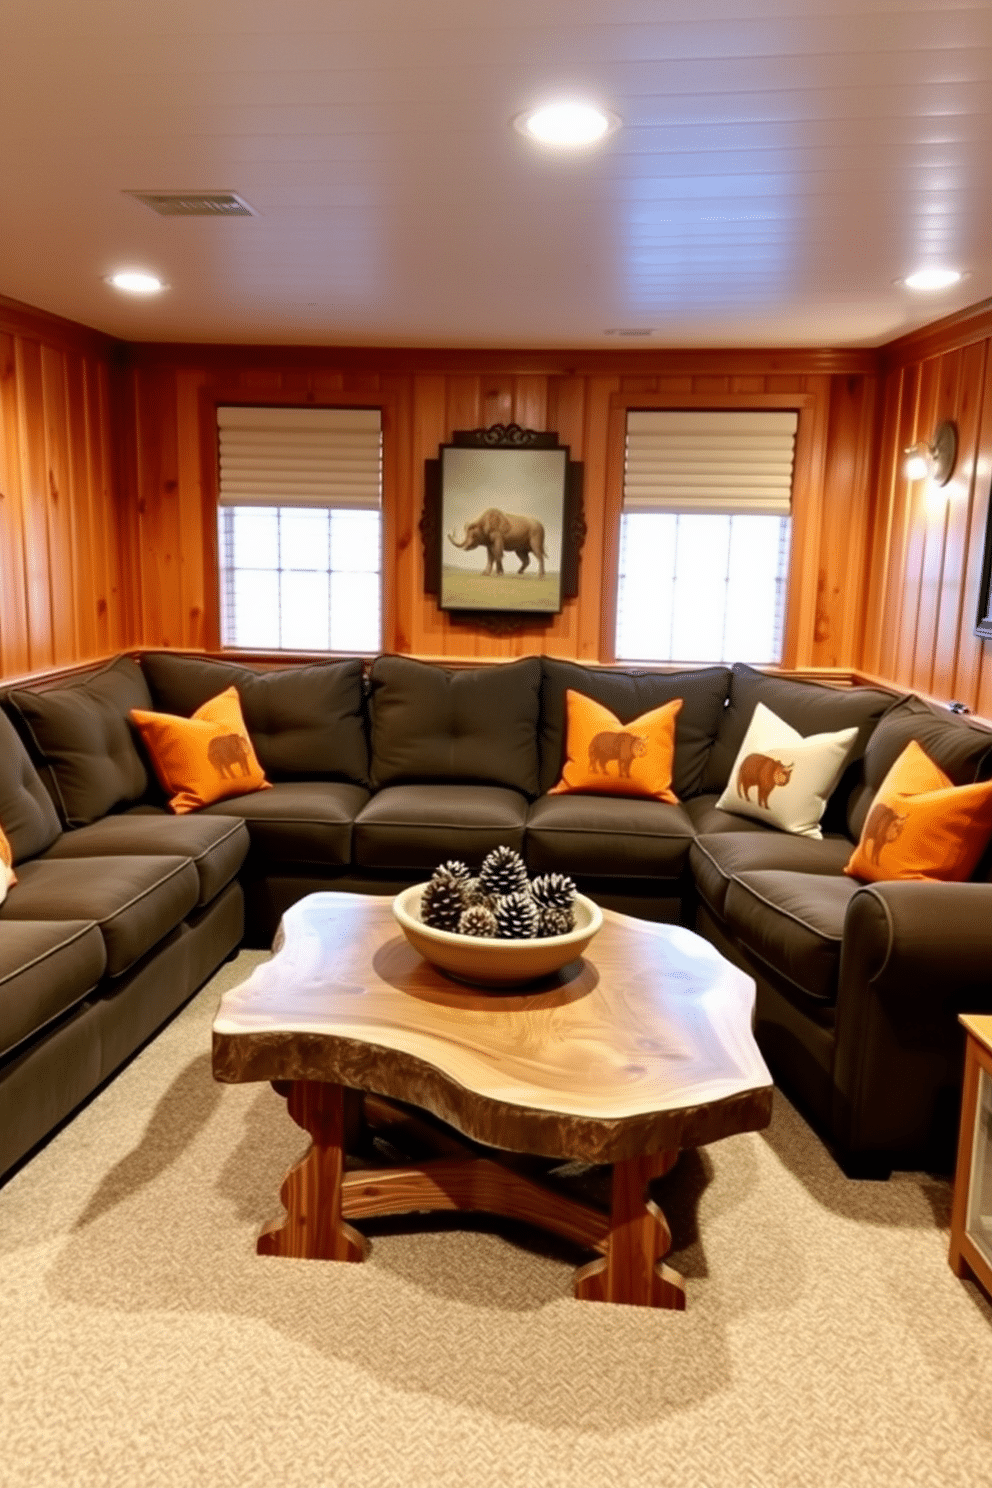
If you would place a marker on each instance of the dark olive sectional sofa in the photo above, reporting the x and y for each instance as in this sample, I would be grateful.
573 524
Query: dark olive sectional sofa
122 910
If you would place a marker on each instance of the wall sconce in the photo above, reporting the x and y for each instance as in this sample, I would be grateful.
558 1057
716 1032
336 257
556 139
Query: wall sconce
935 460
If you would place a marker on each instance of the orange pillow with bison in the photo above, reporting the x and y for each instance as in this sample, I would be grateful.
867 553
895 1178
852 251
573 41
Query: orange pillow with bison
7 875
204 758
922 825
607 757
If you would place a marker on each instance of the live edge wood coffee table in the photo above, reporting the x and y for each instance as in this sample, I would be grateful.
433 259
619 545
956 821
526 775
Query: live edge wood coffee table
625 1057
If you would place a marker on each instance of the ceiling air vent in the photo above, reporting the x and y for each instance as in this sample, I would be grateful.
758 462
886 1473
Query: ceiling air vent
194 203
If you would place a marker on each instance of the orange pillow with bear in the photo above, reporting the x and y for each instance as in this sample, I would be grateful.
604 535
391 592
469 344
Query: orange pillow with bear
204 758
7 875
922 826
612 758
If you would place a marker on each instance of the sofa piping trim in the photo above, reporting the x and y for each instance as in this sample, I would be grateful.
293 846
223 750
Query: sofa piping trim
51 951
787 913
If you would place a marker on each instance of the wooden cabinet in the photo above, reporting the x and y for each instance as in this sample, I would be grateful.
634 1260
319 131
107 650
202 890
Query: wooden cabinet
971 1218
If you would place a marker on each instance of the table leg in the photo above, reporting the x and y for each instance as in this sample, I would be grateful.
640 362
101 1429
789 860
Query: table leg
313 1227
632 1270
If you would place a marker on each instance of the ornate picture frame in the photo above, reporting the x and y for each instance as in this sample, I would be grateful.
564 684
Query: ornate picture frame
490 564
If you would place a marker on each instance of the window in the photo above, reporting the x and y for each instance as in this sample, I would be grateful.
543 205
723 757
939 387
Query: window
300 538
704 536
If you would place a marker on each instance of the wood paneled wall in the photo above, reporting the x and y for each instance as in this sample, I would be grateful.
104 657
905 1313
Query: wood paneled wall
60 560
170 394
926 542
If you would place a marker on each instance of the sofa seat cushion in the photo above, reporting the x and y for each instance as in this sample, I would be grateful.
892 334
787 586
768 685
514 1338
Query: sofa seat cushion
80 735
607 836
794 922
419 826
217 847
715 859
46 967
134 900
298 821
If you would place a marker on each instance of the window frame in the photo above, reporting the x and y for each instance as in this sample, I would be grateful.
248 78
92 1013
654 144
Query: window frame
225 395
799 620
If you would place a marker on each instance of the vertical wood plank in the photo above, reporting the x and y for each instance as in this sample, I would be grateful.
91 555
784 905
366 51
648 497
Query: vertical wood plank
193 544
950 628
901 516
86 542
14 627
31 442
916 537
58 505
843 527
880 533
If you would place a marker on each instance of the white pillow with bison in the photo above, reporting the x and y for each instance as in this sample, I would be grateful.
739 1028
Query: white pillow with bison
782 779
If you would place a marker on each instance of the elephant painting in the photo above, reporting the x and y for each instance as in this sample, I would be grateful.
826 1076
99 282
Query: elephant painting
501 532
226 751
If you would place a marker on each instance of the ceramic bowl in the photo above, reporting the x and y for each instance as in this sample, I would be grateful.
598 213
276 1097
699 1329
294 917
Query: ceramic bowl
495 963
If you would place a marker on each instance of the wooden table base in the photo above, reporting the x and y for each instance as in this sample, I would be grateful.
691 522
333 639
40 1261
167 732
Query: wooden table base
320 1196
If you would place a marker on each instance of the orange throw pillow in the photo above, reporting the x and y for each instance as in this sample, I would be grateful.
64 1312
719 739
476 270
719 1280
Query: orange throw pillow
204 758
7 874
922 826
612 758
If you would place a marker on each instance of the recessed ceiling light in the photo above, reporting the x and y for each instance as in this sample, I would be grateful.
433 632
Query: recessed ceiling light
133 281
566 125
932 279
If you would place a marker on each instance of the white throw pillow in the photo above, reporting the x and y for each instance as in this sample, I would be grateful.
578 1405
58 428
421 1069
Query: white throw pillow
782 779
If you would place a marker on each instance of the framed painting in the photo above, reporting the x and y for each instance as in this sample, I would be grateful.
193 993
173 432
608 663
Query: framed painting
502 508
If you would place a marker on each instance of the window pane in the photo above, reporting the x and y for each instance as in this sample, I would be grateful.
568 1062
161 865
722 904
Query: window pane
753 599
255 609
355 624
305 624
647 569
701 587
355 541
314 584
255 532
700 594
303 538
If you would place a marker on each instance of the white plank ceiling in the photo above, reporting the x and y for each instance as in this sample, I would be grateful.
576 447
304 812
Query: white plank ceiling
782 164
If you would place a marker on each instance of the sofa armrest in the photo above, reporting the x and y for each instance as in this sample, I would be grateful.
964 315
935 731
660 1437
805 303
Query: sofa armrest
914 955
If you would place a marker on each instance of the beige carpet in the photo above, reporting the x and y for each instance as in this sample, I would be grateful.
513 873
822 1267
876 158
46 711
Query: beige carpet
826 1341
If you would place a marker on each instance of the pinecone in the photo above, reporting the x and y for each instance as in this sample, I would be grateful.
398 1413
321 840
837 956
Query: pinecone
441 903
475 894
555 922
454 868
517 917
554 891
477 920
503 872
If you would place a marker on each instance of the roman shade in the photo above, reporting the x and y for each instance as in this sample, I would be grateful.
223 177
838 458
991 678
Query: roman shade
709 461
327 457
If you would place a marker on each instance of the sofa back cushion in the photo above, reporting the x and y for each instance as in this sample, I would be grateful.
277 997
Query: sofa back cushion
434 724
961 749
305 723
808 707
629 693
79 735
27 815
